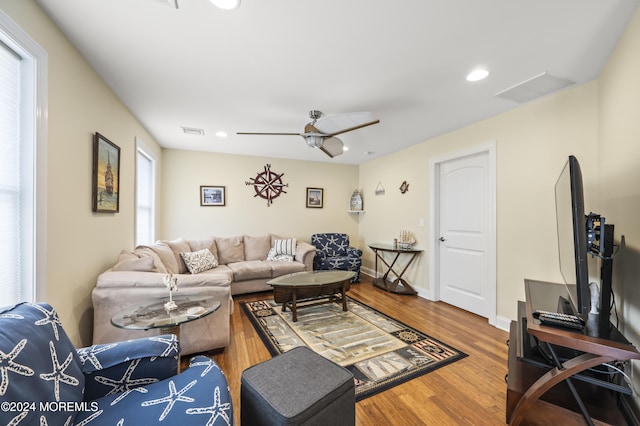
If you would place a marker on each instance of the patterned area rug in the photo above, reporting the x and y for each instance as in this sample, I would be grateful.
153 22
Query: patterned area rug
380 351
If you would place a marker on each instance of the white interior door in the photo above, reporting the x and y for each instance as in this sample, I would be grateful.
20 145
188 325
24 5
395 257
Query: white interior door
465 233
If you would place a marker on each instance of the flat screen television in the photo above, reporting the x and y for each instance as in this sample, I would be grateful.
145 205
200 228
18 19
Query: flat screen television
572 235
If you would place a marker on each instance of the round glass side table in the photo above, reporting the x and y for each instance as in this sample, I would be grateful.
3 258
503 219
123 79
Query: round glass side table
152 314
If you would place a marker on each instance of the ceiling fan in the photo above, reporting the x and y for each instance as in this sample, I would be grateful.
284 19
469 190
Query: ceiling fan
321 132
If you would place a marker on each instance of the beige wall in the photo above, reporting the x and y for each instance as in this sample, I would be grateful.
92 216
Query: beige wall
80 244
244 213
619 165
532 145
596 121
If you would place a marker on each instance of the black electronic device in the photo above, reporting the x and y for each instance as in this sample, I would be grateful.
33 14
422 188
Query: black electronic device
572 235
558 319
579 236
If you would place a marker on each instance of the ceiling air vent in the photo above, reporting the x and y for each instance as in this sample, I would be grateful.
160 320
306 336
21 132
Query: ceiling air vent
534 87
193 131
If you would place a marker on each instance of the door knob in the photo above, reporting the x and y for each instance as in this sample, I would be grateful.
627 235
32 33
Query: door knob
442 239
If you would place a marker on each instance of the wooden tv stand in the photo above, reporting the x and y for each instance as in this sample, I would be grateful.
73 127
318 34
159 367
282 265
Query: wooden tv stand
540 393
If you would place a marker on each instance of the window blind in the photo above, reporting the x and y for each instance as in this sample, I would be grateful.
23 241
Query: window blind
145 189
11 285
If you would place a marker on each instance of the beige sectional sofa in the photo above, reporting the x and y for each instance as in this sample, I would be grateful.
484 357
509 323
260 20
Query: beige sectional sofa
244 265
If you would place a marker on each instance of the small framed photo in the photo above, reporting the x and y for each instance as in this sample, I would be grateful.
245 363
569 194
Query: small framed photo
212 196
105 185
315 198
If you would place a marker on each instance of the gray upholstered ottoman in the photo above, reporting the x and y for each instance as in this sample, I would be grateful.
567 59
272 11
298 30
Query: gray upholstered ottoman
298 387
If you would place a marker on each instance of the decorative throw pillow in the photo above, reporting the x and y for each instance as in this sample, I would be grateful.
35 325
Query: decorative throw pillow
285 246
199 261
274 257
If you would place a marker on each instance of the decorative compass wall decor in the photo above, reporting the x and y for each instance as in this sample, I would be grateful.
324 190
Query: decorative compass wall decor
267 184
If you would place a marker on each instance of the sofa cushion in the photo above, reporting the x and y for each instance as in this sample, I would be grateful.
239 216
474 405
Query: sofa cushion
256 248
199 261
132 280
283 268
208 243
163 258
178 246
218 271
250 270
230 249
39 364
129 261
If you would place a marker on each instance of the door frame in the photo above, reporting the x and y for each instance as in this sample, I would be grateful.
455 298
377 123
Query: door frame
434 221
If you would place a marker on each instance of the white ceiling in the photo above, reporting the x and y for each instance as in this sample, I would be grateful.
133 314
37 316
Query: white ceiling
263 66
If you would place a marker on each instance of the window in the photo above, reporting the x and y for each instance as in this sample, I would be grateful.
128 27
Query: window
23 88
145 195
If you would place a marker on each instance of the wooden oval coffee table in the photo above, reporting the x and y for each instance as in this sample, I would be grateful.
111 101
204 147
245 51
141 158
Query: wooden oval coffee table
298 287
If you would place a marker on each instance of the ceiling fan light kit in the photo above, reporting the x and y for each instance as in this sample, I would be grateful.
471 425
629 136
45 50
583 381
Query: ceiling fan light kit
321 132
226 4
314 141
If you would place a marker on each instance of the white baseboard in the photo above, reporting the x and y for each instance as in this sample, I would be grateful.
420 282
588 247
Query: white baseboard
368 272
502 323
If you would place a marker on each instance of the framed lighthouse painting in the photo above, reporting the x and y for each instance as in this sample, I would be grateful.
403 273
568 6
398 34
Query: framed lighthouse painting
106 175
315 198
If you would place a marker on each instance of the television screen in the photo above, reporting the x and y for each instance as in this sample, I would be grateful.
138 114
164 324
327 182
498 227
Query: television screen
572 238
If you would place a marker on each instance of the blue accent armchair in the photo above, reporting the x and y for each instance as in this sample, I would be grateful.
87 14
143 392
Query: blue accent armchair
334 252
45 380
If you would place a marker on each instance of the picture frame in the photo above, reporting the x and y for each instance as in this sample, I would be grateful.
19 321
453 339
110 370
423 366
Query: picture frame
211 195
106 175
315 198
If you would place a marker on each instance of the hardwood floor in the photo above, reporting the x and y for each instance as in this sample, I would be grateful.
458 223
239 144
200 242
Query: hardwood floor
468 392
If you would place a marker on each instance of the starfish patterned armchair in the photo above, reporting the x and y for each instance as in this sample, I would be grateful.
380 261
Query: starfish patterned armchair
334 252
44 380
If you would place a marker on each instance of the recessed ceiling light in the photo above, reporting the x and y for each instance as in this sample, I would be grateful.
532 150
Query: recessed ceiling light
345 148
477 75
221 134
226 4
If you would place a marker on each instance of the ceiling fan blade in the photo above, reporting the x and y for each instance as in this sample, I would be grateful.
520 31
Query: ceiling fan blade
321 132
310 129
332 147
360 126
267 133
336 124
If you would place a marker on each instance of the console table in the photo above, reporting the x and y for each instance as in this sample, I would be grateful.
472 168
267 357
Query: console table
531 382
399 285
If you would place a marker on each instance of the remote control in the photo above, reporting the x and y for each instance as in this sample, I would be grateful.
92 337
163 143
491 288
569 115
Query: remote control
559 319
